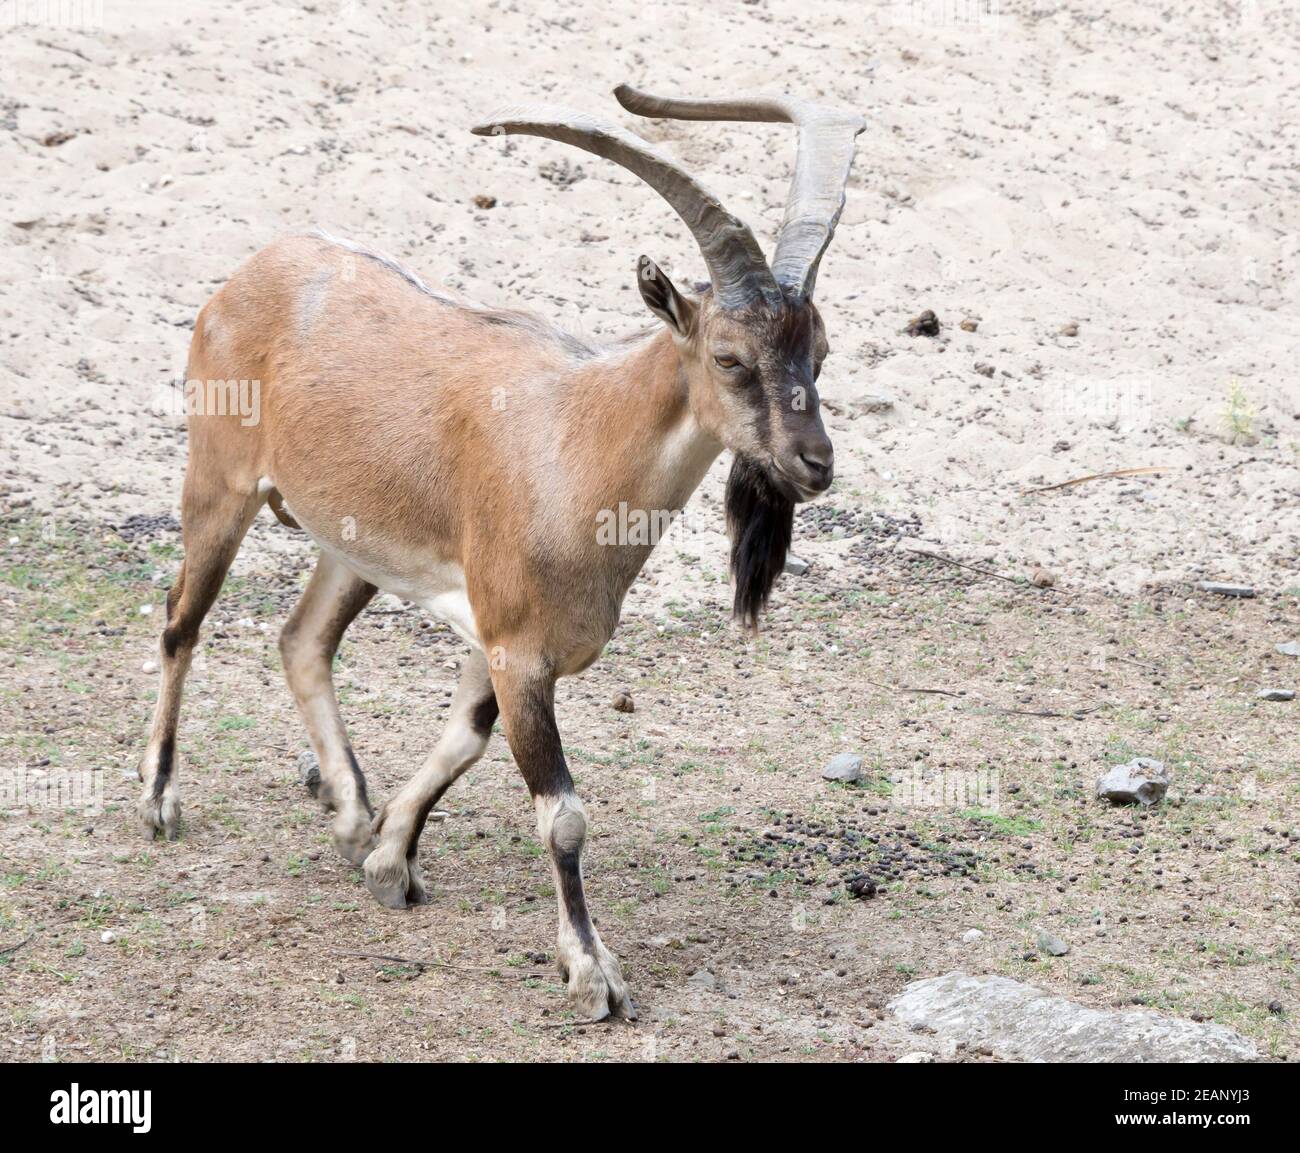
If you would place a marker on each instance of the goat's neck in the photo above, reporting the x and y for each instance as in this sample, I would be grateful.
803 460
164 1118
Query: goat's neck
652 450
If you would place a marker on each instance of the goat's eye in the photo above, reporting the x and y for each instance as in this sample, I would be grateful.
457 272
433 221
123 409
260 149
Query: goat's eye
726 362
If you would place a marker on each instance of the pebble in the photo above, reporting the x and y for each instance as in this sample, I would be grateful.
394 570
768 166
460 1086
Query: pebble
796 566
1226 590
108 936
971 936
149 667
623 703
861 886
1042 579
927 324
1289 648
1070 329
1141 780
916 1059
969 325
846 767
1275 695
702 979
309 771
1050 944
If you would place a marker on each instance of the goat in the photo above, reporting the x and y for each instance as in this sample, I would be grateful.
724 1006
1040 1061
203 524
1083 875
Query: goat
460 458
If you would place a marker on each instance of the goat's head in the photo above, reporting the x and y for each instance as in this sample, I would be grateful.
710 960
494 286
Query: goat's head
751 344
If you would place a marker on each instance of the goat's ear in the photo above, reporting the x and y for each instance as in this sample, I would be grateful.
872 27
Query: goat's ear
662 298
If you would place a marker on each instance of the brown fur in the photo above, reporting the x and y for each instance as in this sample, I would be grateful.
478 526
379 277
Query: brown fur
424 442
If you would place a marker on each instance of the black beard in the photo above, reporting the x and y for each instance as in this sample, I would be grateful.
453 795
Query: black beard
760 520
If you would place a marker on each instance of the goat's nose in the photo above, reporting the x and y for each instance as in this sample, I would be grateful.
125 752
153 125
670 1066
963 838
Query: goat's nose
819 459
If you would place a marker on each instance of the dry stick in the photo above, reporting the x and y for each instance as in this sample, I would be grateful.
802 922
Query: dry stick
1096 476
982 571
1076 714
422 963
14 948
907 689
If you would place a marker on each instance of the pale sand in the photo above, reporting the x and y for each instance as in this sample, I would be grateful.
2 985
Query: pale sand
1126 172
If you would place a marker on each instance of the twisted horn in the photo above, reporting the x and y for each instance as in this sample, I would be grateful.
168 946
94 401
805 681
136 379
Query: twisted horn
736 264
816 199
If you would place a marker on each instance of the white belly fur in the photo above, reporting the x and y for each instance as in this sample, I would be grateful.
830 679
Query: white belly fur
437 586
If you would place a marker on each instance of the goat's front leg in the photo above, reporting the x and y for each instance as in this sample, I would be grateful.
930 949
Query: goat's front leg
527 698
392 870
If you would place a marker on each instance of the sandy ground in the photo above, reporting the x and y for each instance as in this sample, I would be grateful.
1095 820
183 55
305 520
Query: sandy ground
1109 195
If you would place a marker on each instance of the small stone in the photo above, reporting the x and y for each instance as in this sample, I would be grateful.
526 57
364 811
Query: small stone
703 979
861 886
916 1059
482 201
1050 944
846 767
796 566
1070 329
146 610
1042 579
108 936
984 369
927 324
309 771
969 325
1226 590
149 667
623 703
971 936
1289 648
1275 695
1141 780
1275 1007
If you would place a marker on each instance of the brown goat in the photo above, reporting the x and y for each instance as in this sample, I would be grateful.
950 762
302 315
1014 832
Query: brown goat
462 458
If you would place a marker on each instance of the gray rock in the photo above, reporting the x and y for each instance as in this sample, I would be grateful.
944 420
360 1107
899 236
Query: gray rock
1019 1022
1050 944
1142 780
309 771
1289 648
796 566
1275 695
971 936
703 979
846 767
916 1059
1226 590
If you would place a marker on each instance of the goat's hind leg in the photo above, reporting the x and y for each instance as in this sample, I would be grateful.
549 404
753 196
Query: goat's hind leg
333 598
214 522
392 870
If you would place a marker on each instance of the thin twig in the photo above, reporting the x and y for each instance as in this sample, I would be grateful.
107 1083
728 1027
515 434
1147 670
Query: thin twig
988 709
907 689
424 963
1075 714
982 571
4 952
1096 476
